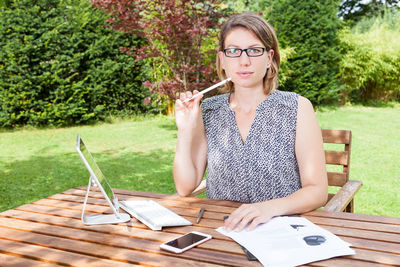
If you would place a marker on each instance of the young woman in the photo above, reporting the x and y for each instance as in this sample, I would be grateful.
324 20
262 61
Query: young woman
261 146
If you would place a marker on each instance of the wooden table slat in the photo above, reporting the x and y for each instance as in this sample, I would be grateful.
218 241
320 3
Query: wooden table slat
373 226
12 260
376 256
53 255
354 217
373 245
345 262
364 234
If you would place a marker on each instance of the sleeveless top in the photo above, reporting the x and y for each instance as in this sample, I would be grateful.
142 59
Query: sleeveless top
262 168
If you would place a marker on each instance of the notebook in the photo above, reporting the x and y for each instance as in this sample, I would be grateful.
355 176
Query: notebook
149 212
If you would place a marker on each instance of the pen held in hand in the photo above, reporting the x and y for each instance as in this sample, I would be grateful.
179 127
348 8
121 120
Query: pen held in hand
208 89
200 215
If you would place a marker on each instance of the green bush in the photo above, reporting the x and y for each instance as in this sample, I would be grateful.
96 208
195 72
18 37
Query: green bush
370 68
59 65
310 30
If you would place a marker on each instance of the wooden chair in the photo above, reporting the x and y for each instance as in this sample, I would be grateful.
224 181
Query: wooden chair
343 200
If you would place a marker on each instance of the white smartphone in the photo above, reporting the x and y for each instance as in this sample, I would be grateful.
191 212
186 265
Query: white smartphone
185 242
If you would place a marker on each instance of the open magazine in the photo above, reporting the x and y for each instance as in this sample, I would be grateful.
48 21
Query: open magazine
290 241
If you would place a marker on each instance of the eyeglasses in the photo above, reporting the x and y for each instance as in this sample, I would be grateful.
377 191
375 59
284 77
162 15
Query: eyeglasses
251 52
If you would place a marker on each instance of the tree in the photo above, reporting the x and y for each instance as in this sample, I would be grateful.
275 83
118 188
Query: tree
263 7
176 33
60 66
355 10
311 29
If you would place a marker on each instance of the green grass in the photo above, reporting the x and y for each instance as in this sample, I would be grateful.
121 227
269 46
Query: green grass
137 154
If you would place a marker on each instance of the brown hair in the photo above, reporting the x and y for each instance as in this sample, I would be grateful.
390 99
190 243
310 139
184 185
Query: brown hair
267 36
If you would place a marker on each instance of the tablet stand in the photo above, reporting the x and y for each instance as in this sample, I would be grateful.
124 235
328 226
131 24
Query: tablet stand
104 218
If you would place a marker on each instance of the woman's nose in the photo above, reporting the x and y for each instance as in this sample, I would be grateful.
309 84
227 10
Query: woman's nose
244 59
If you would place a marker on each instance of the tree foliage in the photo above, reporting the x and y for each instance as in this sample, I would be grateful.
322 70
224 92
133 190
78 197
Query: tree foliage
262 7
59 65
176 32
309 28
370 66
355 10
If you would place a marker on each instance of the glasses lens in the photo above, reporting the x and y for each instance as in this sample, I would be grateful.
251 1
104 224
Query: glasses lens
232 52
255 51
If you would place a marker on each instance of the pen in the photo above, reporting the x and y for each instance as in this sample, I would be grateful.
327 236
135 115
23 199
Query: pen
208 89
200 215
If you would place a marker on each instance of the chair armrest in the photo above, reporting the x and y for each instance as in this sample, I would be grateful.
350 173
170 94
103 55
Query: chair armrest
200 189
342 198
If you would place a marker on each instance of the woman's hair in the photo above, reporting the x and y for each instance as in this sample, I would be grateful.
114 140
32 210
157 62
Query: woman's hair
257 25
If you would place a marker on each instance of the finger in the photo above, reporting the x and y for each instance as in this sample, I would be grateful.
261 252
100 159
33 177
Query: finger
232 224
236 217
256 221
229 223
230 219
198 98
245 221
189 95
196 101
178 103
182 96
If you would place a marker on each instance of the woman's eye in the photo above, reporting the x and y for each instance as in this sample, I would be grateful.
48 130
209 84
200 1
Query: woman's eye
233 51
254 51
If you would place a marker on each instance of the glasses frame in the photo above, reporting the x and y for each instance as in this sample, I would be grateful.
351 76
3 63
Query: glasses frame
246 50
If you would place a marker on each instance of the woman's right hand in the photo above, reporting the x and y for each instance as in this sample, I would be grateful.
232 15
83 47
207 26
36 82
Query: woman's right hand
191 146
187 114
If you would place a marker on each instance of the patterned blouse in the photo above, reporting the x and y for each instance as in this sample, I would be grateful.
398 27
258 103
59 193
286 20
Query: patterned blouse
264 167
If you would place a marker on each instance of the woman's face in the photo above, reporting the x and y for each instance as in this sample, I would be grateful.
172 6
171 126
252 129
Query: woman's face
245 71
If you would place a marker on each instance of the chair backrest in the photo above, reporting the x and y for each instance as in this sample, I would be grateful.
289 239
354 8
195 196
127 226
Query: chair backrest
337 157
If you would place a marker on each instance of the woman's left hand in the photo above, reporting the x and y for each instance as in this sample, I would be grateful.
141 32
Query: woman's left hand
252 214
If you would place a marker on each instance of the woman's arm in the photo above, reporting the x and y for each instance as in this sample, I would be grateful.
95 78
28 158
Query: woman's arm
311 161
191 148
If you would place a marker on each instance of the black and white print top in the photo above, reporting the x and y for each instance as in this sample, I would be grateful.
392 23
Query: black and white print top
264 167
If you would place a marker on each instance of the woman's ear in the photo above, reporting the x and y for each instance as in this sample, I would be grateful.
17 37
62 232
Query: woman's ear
270 54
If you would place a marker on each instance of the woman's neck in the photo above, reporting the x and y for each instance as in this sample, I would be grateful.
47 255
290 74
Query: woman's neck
246 100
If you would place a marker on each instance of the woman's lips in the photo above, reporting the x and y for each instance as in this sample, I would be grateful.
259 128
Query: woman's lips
244 74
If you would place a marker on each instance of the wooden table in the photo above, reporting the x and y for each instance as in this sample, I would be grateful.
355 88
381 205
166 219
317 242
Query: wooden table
49 232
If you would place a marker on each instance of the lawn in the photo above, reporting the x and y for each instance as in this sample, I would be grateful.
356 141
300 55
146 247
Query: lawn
137 154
